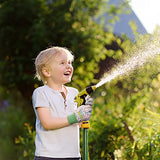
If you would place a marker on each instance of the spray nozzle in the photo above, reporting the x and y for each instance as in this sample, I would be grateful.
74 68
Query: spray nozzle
80 98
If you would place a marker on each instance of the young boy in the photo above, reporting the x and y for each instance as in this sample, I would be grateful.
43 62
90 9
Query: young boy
57 116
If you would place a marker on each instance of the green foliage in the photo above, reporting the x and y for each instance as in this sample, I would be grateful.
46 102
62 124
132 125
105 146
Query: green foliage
29 26
27 142
112 108
144 121
11 125
13 115
125 120
16 42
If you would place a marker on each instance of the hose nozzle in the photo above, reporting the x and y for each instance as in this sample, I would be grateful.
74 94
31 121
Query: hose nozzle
80 98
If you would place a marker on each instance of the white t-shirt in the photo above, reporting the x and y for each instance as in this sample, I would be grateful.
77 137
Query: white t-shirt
57 143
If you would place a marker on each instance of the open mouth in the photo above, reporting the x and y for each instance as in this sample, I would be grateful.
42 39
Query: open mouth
67 73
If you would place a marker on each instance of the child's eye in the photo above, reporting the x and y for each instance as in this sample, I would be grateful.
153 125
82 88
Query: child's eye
62 62
69 62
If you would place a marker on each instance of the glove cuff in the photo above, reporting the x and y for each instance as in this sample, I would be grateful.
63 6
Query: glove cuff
72 118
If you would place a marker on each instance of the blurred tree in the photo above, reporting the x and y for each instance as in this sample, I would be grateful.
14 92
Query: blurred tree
120 121
16 42
29 26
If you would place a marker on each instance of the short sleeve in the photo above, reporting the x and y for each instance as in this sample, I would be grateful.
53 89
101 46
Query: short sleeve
39 99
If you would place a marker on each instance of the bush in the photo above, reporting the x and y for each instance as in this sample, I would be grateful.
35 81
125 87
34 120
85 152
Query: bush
27 143
11 125
13 116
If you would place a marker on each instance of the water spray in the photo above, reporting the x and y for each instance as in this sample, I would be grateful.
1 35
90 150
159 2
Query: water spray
140 57
148 53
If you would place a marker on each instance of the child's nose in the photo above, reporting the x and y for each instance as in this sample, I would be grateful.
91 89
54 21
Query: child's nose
68 65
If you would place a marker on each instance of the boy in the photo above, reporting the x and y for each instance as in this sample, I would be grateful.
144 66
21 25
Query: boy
57 116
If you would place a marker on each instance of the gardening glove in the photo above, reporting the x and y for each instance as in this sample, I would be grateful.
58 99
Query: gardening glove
88 100
83 113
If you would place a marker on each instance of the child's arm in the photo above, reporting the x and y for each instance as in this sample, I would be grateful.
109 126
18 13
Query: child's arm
48 122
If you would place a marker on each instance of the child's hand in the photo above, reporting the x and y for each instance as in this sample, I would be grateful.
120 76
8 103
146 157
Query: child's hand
83 113
88 100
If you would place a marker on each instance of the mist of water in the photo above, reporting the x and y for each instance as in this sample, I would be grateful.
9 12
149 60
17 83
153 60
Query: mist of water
147 53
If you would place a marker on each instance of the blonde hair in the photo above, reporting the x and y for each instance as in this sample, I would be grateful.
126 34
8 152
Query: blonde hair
44 58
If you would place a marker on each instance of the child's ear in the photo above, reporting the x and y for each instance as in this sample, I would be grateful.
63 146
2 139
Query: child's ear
46 72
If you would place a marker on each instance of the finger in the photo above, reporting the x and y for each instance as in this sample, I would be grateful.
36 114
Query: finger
87 97
89 100
89 103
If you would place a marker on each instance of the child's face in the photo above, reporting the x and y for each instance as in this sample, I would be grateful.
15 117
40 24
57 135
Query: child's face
61 69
